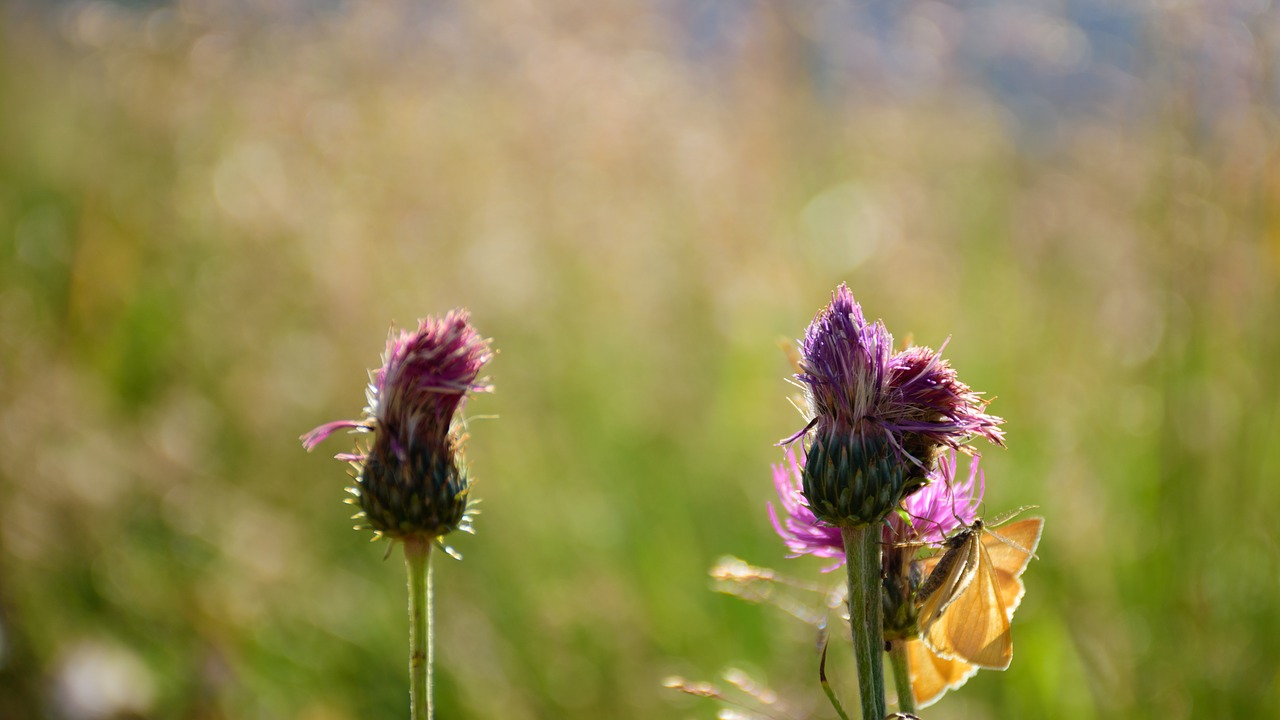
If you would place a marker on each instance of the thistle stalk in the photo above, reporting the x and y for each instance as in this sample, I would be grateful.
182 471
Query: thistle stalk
902 676
862 554
417 559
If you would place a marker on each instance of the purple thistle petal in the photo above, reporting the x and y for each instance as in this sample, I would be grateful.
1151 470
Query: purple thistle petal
854 382
844 362
801 531
930 401
943 505
427 374
320 434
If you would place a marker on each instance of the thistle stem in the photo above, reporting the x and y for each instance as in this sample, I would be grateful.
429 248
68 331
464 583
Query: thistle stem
417 558
902 676
862 552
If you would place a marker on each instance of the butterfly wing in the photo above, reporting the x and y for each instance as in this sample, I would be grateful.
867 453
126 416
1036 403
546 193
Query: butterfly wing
967 618
1010 548
975 626
932 676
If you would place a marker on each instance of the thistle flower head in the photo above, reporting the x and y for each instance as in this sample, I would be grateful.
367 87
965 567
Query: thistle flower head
879 420
931 408
929 515
844 364
412 480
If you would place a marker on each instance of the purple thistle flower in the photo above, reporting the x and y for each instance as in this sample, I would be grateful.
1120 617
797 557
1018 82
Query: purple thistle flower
879 419
411 480
931 407
803 533
844 362
933 512
942 506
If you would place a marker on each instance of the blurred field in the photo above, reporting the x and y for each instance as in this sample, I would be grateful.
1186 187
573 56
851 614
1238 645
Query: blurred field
210 213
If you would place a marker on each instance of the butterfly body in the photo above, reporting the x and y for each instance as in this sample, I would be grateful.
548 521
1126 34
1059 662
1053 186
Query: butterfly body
950 576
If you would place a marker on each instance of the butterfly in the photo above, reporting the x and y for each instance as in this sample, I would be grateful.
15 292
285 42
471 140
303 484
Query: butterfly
966 602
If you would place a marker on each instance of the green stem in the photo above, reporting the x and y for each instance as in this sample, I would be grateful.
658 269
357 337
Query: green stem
417 558
902 676
826 686
862 552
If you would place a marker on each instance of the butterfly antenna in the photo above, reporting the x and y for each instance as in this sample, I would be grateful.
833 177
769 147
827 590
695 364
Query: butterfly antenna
1010 543
1011 514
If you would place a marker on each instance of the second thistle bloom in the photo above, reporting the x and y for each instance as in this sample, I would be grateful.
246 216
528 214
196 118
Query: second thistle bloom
412 479
879 419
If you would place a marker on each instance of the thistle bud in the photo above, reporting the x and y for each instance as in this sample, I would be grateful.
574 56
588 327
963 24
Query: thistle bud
412 480
850 478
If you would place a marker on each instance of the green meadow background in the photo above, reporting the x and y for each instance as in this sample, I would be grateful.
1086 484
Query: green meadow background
211 213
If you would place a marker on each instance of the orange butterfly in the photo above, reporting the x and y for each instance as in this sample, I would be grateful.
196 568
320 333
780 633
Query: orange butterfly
965 605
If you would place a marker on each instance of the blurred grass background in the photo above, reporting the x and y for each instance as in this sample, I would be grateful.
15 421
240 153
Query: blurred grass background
211 212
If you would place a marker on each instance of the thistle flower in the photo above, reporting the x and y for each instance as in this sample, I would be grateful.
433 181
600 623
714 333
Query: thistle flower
411 481
879 420
929 515
942 506
803 533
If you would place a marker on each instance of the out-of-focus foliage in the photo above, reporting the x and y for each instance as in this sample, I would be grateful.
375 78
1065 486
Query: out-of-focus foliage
209 213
